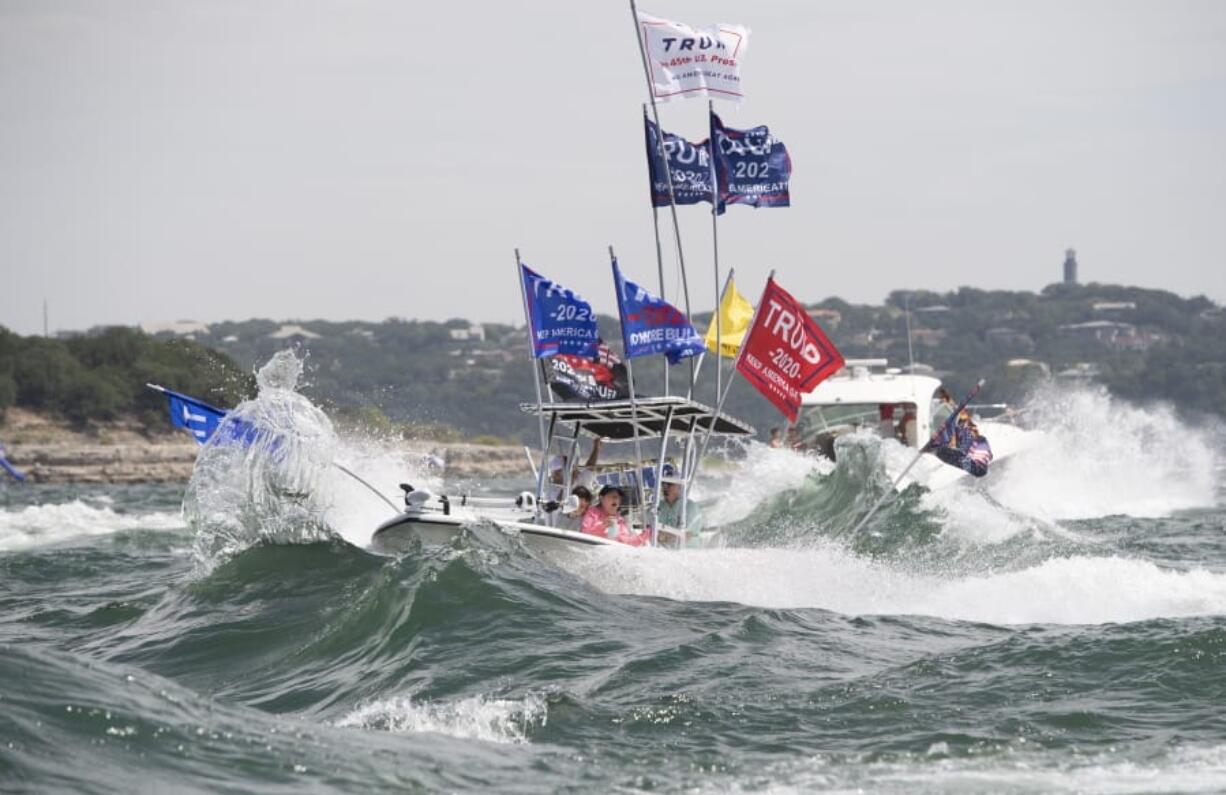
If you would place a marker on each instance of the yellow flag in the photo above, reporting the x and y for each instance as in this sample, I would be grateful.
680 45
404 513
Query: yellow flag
735 314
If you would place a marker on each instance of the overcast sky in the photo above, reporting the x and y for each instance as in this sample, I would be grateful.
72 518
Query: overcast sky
225 160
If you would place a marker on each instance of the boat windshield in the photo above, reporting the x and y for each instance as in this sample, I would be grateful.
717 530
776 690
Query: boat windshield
819 426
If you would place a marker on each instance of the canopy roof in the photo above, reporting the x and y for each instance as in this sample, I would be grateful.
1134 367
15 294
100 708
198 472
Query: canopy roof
616 419
872 388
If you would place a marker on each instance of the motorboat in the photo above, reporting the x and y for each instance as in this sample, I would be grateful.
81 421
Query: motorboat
868 396
648 425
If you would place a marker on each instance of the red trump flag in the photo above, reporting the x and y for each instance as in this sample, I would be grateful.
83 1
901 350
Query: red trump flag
785 353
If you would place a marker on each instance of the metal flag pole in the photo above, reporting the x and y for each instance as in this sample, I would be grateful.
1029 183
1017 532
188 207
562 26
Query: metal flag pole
634 412
892 491
536 382
719 364
655 225
719 345
719 407
668 171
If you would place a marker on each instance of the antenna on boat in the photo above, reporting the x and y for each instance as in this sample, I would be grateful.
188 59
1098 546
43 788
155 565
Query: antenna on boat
906 306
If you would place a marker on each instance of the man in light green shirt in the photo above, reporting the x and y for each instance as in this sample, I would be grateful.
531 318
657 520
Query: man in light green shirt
669 514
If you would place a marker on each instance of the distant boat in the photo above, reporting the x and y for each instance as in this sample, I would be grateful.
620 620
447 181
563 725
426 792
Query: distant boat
866 394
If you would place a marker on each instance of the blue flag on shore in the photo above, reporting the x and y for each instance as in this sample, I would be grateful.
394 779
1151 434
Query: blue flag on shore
751 166
9 468
651 325
689 164
559 321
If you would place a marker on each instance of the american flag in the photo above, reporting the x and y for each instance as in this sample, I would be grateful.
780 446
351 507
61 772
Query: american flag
606 355
980 452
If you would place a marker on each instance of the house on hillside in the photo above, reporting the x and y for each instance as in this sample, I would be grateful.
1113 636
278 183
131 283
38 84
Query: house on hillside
1005 337
1112 334
1026 364
826 318
1113 306
473 333
179 328
1080 372
293 331
928 336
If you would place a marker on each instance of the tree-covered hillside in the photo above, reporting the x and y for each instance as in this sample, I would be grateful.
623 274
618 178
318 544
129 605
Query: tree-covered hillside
102 376
465 379
1143 344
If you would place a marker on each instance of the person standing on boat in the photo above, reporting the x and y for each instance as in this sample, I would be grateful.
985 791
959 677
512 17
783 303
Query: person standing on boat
908 434
886 428
963 446
605 519
670 514
942 406
581 476
776 437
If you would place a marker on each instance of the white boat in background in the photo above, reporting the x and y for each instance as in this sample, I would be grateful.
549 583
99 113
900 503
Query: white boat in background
866 395
650 422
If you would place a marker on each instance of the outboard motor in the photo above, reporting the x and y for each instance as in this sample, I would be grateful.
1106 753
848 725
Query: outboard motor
416 500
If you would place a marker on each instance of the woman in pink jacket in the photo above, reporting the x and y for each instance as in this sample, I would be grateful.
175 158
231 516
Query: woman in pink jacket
604 518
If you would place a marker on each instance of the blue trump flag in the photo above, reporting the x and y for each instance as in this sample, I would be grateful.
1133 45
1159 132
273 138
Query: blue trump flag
558 320
751 166
690 165
651 325
202 420
195 416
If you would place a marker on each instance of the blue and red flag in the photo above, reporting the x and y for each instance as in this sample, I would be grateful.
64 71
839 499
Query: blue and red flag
751 166
651 325
559 321
688 163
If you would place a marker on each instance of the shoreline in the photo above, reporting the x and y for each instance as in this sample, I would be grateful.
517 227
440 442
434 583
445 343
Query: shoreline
48 450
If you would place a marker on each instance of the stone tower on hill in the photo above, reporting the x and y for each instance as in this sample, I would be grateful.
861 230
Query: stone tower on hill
1070 266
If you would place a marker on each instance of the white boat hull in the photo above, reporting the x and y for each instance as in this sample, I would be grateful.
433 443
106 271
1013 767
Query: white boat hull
410 529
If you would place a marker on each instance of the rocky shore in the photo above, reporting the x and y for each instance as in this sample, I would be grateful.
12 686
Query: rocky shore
51 451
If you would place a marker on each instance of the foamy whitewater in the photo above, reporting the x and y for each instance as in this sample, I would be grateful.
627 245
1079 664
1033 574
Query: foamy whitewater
1059 626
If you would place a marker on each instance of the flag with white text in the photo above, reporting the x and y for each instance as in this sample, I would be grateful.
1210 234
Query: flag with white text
689 165
751 166
785 352
559 321
602 377
651 325
208 423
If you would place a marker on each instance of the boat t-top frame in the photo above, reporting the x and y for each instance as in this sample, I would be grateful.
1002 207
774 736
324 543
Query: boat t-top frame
648 420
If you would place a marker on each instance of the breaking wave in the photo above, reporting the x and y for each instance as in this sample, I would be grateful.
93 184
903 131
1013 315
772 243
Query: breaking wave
51 523
1071 590
498 720
267 488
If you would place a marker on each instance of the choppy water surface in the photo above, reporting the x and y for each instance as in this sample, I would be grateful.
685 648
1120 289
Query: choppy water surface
1063 629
